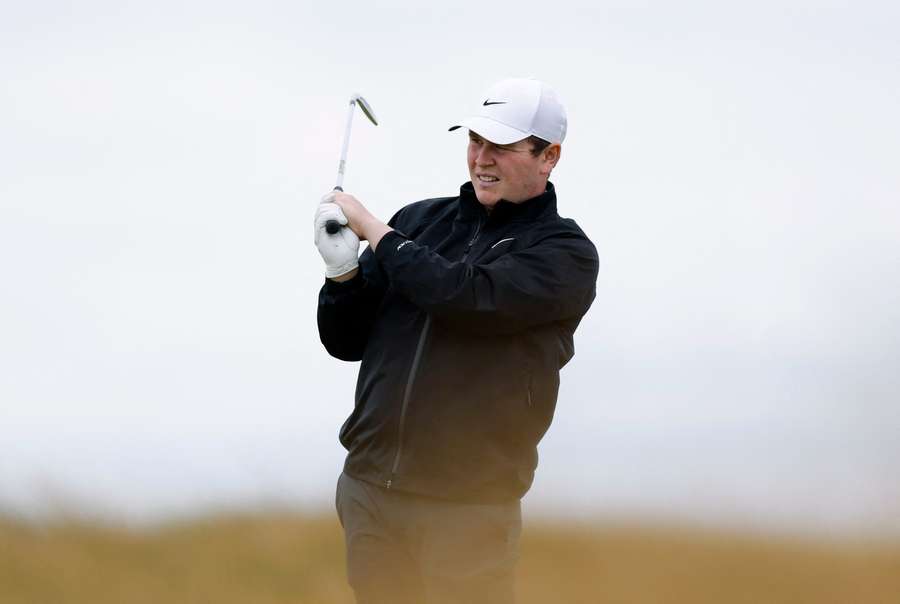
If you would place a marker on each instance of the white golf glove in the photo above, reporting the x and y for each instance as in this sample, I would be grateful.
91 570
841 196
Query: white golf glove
341 250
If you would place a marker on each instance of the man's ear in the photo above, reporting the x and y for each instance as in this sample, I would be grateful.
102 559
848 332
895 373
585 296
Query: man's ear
550 157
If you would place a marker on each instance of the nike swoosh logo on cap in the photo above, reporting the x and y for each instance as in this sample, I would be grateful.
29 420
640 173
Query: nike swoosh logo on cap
489 102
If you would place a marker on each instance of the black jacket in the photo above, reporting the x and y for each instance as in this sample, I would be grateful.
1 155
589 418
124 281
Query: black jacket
462 320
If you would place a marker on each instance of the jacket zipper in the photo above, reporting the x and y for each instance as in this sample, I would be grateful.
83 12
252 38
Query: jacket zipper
413 370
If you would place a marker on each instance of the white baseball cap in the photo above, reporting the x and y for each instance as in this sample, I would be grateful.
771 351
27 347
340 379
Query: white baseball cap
516 108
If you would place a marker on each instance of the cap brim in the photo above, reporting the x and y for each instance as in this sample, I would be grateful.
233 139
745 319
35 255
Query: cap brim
492 130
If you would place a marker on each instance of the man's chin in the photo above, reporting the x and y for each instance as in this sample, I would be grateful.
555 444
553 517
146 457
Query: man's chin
487 199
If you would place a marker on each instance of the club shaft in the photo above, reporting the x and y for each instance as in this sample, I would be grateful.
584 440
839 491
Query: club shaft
343 164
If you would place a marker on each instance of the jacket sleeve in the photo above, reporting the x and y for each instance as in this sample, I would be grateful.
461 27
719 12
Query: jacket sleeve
554 279
347 310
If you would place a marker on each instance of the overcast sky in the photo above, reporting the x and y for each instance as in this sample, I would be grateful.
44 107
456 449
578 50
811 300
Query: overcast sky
736 167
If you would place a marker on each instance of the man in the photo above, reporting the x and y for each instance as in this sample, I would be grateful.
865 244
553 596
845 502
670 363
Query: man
462 311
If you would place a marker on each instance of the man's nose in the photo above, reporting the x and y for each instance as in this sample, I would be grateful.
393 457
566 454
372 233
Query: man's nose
485 155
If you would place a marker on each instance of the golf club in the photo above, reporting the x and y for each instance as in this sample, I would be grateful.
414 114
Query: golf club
333 226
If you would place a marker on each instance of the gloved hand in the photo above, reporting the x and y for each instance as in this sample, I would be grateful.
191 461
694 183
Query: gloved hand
341 250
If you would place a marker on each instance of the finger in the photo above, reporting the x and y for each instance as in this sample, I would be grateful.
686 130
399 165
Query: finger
329 211
336 212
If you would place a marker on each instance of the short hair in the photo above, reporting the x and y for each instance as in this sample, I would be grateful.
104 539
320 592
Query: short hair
537 144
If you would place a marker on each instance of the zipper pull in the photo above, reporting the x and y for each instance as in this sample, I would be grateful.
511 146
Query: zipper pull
472 240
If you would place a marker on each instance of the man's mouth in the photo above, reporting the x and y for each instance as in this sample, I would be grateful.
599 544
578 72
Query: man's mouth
487 179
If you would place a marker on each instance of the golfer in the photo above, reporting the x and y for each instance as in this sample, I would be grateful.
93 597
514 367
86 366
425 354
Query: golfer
462 311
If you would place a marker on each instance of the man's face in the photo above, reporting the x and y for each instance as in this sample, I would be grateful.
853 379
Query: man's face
508 172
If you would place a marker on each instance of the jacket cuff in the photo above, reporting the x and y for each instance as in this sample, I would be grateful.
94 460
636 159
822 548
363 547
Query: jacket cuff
344 287
389 245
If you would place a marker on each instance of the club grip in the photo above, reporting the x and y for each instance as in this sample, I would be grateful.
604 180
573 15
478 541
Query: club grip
333 226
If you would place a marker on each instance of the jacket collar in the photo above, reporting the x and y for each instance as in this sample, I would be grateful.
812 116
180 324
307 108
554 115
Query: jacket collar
504 211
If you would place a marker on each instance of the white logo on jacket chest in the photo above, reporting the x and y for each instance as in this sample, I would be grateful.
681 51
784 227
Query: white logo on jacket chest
502 241
402 244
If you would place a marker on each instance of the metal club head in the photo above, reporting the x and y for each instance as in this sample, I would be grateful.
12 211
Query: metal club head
364 105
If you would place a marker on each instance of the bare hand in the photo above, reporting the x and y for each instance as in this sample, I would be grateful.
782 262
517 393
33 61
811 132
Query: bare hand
360 220
356 213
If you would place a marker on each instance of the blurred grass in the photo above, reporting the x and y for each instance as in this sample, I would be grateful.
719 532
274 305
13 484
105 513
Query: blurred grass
280 558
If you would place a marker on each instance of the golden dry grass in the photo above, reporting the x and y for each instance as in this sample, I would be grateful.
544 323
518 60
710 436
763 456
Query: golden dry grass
645 565
282 558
